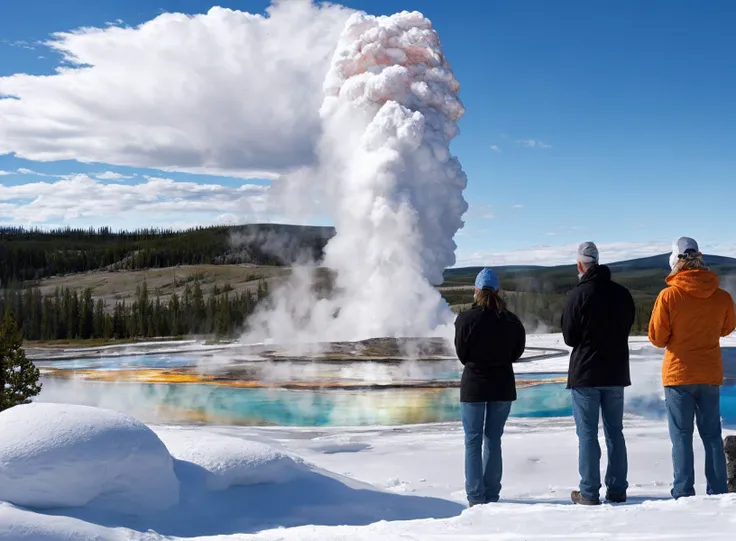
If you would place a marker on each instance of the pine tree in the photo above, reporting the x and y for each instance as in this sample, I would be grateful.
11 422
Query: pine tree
222 319
18 376
98 324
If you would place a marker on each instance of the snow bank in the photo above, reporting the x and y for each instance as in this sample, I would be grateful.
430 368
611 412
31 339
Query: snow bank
231 461
59 455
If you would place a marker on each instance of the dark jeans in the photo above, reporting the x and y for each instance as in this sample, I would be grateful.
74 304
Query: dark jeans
483 423
686 403
587 404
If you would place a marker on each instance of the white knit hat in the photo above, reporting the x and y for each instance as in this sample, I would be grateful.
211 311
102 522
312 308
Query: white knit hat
587 253
681 247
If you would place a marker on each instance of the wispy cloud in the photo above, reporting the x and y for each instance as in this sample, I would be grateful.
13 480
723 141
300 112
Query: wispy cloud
111 175
21 44
481 211
24 171
3 173
533 143
549 255
518 206
495 148
105 175
82 197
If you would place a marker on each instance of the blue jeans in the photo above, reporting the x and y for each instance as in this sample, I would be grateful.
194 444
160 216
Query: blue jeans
587 404
700 402
483 422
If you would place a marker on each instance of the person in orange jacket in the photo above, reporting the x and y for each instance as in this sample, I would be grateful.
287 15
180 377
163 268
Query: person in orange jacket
689 319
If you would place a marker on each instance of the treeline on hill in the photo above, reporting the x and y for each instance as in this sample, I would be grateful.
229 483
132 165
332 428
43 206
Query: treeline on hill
66 314
541 312
30 254
537 294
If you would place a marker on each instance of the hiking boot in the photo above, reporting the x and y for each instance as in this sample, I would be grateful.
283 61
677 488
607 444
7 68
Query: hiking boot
579 499
615 498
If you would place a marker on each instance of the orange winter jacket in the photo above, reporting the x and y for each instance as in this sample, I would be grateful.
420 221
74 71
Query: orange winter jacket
689 319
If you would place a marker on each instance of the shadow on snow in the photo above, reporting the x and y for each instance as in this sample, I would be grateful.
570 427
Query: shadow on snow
314 497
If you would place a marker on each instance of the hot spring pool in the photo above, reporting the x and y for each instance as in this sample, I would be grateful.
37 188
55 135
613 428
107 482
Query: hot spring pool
196 402
223 405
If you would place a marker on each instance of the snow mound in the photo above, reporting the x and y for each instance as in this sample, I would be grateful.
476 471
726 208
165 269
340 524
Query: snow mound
60 455
231 461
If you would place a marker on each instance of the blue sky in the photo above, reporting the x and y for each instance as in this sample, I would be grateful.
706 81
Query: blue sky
585 120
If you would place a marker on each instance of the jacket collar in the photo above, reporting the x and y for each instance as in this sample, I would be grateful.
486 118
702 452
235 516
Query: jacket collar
597 273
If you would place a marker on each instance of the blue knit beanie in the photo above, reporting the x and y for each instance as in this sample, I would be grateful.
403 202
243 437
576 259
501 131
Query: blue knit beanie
487 279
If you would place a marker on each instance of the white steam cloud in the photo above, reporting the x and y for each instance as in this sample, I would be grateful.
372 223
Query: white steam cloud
389 182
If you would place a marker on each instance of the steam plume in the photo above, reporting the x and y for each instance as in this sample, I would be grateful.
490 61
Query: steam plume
390 183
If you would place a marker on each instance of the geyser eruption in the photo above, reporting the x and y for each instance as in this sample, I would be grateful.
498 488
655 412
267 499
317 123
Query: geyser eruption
394 190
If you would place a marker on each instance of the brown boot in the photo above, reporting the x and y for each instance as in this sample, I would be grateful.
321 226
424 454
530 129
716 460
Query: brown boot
579 499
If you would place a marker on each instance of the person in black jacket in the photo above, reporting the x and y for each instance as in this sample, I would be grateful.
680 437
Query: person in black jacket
488 338
596 323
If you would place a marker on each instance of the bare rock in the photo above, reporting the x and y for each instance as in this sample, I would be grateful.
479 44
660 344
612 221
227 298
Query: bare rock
729 444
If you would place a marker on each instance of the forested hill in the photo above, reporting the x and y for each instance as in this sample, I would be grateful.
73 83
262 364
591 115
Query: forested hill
27 255
643 276
195 287
537 294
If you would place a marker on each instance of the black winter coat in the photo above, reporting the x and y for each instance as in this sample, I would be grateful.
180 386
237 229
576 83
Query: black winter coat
596 323
487 342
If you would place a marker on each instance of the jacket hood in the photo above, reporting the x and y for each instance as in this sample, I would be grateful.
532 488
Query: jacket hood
698 283
596 272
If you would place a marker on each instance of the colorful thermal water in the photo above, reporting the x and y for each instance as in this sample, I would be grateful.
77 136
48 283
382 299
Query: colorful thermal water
173 388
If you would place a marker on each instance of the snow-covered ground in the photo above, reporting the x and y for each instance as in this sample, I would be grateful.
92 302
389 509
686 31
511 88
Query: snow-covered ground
243 483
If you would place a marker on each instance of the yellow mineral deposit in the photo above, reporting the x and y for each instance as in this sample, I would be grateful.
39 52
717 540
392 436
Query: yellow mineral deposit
188 375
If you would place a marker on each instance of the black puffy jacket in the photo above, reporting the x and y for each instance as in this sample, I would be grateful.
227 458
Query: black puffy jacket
596 323
487 342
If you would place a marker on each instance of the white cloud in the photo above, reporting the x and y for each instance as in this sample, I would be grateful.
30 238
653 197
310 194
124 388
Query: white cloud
80 197
25 171
565 254
227 219
22 44
533 143
518 206
225 92
3 173
111 175
495 148
106 175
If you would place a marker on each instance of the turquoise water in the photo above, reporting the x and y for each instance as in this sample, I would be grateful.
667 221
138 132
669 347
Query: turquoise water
225 405
122 362
273 406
